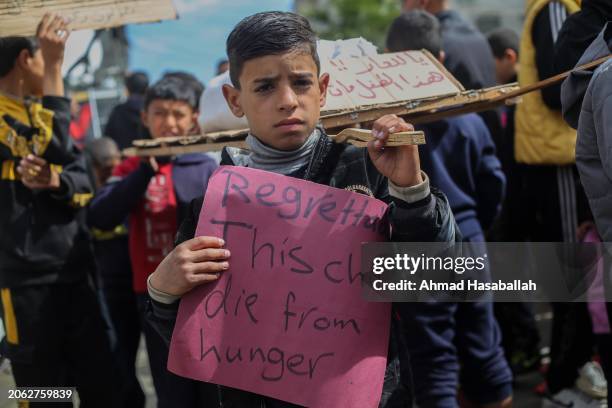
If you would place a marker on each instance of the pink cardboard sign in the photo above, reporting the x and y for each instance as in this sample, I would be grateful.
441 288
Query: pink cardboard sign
287 319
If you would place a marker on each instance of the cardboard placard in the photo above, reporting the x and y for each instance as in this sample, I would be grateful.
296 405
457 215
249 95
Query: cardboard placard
287 320
21 17
385 78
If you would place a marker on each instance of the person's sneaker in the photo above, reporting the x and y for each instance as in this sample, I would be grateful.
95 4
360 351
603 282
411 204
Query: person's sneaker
591 380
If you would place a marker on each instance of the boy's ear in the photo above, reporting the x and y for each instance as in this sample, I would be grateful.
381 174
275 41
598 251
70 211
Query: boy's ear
232 97
144 119
23 59
511 55
323 84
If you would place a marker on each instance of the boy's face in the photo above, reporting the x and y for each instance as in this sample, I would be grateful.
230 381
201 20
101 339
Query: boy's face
281 97
506 67
33 68
165 118
105 170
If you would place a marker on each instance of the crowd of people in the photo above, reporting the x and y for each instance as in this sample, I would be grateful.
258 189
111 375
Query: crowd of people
97 250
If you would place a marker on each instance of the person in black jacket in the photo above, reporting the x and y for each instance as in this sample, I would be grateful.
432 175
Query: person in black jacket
563 208
467 53
112 255
124 124
55 333
460 158
276 84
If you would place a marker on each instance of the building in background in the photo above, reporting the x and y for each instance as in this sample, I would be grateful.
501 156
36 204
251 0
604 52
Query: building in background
94 72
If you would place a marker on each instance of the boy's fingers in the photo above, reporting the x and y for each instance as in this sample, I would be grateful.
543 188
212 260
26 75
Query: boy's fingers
35 160
204 268
204 277
204 242
56 26
63 27
210 254
31 169
42 26
374 148
67 32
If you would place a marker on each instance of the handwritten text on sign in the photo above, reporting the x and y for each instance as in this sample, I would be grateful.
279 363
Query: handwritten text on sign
287 319
21 17
385 78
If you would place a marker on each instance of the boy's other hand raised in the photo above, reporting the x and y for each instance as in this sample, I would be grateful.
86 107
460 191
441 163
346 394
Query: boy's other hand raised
401 164
192 263
52 33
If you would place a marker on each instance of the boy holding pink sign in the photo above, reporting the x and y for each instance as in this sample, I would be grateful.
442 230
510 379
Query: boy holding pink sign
278 86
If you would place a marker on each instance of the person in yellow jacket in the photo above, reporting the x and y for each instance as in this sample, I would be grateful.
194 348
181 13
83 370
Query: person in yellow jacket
56 335
555 203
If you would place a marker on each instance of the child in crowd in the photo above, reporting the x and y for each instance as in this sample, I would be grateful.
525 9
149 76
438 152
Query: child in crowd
154 195
55 333
451 343
278 86
115 274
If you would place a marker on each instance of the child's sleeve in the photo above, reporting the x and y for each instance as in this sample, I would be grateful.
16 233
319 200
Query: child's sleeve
490 180
115 200
76 189
417 214
57 125
161 313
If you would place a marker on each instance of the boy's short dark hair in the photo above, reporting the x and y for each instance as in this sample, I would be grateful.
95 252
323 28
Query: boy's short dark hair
10 47
415 30
137 83
268 33
175 89
194 82
502 39
102 150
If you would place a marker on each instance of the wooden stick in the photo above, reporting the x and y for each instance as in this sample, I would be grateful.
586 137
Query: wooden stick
356 137
416 112
361 137
552 80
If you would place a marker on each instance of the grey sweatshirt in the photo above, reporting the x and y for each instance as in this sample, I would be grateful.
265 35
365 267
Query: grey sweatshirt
586 97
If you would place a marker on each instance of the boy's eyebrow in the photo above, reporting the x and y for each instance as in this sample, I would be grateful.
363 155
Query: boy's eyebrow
305 74
302 74
267 79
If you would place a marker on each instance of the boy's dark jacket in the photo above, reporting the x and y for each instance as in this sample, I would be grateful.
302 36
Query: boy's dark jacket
43 237
341 166
459 158
114 201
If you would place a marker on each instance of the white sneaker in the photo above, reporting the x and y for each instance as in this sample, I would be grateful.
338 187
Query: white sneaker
592 380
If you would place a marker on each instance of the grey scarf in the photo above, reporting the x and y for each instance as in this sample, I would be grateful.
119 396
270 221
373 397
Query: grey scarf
267 158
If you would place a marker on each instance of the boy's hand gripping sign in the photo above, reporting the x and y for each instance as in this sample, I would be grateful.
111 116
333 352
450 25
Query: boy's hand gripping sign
287 319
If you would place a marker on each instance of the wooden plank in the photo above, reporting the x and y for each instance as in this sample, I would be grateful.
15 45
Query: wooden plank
175 150
462 102
21 17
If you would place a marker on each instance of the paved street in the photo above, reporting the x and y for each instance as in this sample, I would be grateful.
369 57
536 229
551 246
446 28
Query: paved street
524 396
